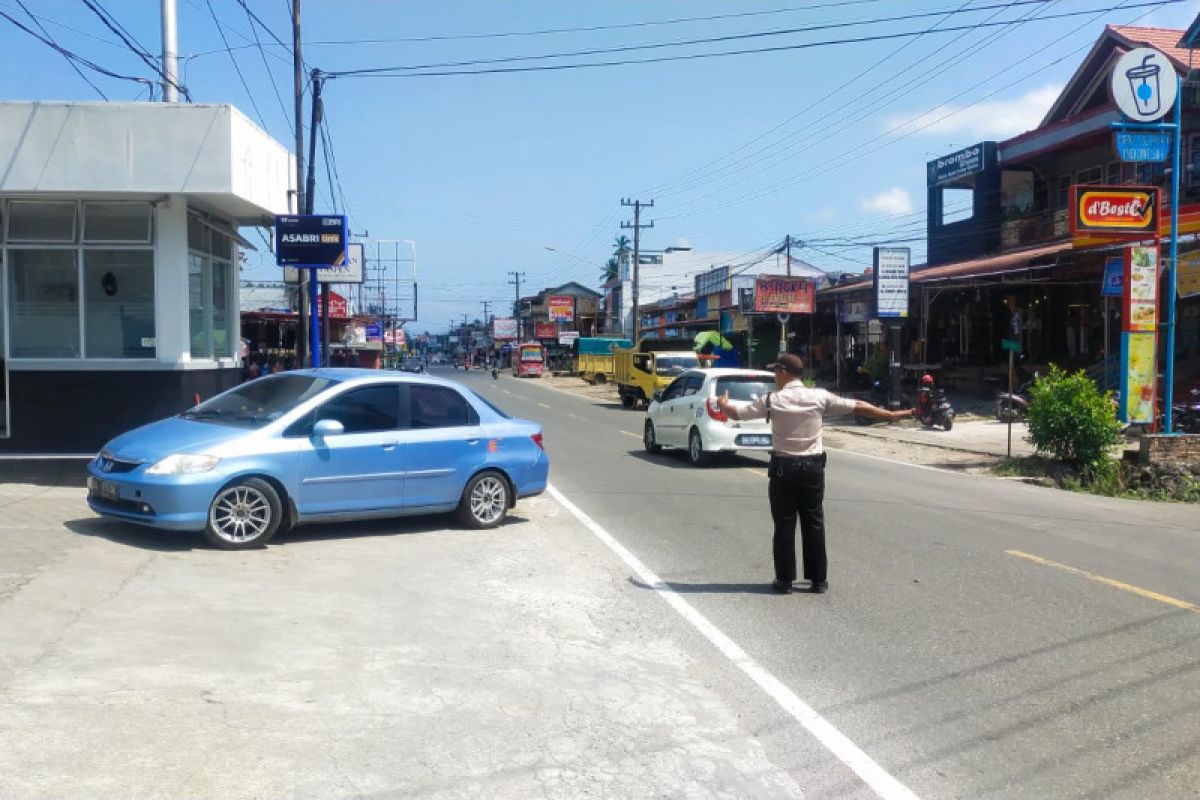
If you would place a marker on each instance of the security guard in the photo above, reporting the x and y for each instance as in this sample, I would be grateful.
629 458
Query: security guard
797 470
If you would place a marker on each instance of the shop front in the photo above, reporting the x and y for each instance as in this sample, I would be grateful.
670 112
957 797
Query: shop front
119 262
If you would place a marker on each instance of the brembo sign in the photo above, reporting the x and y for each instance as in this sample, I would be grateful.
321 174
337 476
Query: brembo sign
1114 210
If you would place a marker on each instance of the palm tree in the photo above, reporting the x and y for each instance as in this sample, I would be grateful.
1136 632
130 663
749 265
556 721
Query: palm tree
612 267
611 270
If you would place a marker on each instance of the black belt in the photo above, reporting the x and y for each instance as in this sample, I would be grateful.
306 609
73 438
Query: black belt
819 458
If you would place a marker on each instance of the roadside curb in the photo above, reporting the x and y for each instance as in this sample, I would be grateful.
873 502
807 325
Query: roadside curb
866 433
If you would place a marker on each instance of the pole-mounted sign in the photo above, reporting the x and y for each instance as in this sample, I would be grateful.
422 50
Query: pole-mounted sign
1143 85
311 241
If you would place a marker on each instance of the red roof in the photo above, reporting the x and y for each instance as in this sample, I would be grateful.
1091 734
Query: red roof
1164 39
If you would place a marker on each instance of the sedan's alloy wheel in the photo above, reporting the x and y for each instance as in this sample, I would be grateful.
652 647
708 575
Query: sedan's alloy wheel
240 514
488 499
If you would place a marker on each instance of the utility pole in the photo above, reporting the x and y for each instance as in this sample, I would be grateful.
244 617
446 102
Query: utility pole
787 246
170 49
637 226
320 353
515 280
298 96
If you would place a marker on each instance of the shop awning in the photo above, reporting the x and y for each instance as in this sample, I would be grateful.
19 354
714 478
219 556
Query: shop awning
1015 261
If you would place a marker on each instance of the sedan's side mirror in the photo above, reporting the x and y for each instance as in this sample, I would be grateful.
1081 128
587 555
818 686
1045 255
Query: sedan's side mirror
657 396
328 427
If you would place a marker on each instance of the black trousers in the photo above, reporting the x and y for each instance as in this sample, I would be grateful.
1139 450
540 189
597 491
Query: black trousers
797 489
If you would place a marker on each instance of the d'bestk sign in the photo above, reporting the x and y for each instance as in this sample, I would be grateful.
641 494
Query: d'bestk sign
1114 210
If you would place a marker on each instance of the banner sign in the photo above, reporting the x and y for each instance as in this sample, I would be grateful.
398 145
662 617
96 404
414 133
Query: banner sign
545 330
1138 352
338 306
504 328
1143 146
889 277
1187 274
967 161
779 294
374 331
1114 277
1114 209
310 240
1141 289
560 307
567 338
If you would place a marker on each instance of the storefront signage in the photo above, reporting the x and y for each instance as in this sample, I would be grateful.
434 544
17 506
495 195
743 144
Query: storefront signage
1141 289
1144 85
851 311
1114 209
567 338
338 306
967 161
779 294
504 328
310 240
1187 275
1143 146
1114 277
890 281
561 307
374 332
545 330
1138 352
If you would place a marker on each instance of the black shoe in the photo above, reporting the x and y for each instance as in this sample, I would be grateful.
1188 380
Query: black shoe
819 587
781 587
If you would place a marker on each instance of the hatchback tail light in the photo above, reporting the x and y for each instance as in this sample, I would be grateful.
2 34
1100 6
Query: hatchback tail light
715 412
537 439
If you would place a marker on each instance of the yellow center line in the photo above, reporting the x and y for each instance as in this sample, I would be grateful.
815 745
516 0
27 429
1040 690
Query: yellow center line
762 473
1125 587
634 435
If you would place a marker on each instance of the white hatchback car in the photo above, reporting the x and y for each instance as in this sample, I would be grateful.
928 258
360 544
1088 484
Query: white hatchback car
685 414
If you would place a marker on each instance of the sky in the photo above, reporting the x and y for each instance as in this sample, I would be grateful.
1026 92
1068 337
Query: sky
483 173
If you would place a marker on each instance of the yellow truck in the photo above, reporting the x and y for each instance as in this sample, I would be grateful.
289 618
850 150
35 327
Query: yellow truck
650 365
594 357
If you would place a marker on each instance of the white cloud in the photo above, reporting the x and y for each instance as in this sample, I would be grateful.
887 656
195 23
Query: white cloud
993 119
890 201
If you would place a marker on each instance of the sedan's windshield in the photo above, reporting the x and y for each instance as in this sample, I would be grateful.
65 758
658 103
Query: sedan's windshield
673 365
744 388
256 403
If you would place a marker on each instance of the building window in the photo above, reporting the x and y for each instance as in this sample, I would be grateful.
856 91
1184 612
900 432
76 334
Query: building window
1090 177
1062 193
210 270
44 307
74 294
1112 175
118 296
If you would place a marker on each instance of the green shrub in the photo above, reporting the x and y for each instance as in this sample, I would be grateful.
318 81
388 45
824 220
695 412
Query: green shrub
1073 422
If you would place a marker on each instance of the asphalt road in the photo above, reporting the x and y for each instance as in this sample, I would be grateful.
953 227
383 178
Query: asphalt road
982 638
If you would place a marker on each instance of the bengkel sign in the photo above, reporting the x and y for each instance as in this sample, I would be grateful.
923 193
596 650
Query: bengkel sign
1114 210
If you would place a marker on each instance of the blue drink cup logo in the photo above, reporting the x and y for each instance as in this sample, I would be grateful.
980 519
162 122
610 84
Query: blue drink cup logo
1143 81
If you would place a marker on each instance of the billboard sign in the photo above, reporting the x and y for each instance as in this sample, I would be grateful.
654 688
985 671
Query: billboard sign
1138 351
560 307
851 311
338 306
889 277
780 294
545 330
1114 209
374 331
567 338
1141 289
310 240
968 161
504 328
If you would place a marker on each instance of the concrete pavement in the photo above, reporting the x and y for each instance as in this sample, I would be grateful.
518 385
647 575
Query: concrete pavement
393 659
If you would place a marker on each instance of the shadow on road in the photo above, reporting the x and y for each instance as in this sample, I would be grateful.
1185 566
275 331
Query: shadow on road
177 541
711 588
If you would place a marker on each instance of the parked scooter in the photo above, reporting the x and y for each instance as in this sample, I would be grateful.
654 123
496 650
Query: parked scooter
495 373
1185 414
878 396
933 407
1014 407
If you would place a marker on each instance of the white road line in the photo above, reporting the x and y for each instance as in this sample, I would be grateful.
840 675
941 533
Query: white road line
905 463
543 405
506 391
882 783
576 416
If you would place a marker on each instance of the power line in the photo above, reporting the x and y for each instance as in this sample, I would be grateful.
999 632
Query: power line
683 42
74 66
75 56
236 68
253 18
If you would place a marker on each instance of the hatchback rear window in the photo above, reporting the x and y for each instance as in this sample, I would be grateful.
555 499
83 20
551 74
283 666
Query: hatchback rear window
744 388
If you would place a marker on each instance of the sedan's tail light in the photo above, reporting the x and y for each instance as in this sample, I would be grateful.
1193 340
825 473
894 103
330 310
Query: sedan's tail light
537 439
714 412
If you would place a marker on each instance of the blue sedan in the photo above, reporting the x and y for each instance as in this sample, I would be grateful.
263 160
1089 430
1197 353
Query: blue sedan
320 445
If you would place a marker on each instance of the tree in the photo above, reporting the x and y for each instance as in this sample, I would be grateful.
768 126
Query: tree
611 270
612 267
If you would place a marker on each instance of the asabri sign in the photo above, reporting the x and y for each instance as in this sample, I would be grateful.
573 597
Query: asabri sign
890 281
310 240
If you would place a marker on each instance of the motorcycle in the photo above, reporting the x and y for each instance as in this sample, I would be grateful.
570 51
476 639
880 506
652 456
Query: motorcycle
934 408
878 396
1014 407
495 374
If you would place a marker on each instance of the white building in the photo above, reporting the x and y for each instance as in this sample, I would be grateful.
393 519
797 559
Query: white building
119 262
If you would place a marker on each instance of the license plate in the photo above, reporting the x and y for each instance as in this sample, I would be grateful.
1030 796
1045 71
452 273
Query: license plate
104 490
750 440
